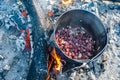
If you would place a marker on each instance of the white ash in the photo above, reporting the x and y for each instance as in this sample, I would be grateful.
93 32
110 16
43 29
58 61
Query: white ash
102 68
1 36
6 67
20 42
1 57
17 64
12 37
14 64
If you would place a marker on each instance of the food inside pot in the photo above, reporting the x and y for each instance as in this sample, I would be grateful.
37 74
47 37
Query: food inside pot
76 42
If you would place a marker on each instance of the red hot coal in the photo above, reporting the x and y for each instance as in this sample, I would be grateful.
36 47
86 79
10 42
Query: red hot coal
76 43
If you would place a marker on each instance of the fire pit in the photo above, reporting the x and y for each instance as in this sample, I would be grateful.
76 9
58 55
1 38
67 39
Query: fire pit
90 23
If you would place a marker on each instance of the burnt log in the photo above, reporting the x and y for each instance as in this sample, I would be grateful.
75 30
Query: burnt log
38 69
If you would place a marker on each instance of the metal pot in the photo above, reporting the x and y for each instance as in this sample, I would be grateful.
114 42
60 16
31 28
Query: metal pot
90 22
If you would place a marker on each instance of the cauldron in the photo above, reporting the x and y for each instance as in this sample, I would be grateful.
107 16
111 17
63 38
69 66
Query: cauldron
90 22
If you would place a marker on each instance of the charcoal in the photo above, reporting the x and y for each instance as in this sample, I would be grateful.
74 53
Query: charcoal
38 69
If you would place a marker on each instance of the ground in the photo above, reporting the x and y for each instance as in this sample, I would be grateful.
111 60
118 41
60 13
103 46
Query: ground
14 61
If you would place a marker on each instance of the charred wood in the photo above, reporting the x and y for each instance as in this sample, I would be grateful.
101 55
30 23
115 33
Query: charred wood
38 68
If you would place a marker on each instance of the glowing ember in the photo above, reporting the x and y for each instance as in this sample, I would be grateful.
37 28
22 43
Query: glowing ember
51 14
22 31
24 14
27 39
66 2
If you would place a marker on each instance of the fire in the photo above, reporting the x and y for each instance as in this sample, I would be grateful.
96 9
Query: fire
58 65
66 2
55 63
49 67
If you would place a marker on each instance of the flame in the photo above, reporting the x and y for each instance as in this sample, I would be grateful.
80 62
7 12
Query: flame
49 67
58 65
66 2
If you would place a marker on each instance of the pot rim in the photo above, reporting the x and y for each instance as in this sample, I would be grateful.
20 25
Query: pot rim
86 60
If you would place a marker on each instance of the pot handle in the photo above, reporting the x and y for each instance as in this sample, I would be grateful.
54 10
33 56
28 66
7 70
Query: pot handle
51 38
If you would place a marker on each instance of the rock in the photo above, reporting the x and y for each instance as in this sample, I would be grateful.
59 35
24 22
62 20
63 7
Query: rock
91 76
13 37
62 77
1 36
19 3
6 67
20 42
86 0
102 67
96 69
29 19
1 16
104 57
81 70
111 41
1 57
1 23
7 26
111 6
73 75
82 76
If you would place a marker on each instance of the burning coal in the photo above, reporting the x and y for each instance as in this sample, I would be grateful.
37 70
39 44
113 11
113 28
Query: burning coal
27 40
58 66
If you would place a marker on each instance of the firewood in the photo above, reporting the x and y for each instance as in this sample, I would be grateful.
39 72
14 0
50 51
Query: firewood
38 68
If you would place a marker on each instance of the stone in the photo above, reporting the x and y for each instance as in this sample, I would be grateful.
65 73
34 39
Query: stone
92 76
1 57
6 67
73 75
82 76
13 37
86 0
81 70
1 36
1 23
19 3
104 57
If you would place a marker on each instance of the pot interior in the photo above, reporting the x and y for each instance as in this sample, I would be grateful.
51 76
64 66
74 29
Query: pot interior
89 22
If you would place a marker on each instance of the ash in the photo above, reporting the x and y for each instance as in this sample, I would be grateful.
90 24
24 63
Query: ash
14 61
106 67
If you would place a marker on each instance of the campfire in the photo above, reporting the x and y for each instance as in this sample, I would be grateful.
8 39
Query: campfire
58 40
76 41
54 65
58 66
